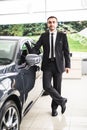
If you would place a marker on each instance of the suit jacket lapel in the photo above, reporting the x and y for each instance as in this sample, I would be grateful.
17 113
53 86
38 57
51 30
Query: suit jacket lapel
57 39
48 41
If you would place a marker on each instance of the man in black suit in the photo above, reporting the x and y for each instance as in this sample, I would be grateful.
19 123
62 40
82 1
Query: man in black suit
56 60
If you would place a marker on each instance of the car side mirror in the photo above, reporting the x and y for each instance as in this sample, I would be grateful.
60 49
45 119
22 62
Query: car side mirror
33 59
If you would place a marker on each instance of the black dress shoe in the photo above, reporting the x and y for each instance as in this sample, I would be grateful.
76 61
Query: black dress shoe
54 113
45 93
63 105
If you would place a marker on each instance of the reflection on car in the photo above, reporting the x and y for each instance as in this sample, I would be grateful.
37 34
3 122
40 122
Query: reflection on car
19 71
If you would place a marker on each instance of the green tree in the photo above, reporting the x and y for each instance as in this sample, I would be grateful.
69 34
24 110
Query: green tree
15 30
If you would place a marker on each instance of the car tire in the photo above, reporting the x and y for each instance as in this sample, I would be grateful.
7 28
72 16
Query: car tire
9 117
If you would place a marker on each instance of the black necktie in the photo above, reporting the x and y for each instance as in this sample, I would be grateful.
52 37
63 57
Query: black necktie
52 51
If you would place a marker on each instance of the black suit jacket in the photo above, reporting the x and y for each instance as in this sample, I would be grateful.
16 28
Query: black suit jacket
61 51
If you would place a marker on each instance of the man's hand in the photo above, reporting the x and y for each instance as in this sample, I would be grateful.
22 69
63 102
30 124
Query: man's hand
67 70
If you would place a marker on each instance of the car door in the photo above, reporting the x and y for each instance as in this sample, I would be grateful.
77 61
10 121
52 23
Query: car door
28 74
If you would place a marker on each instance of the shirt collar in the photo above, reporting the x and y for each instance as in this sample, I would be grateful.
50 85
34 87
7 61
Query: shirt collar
55 32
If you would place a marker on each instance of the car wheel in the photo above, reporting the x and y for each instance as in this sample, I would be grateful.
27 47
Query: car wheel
9 117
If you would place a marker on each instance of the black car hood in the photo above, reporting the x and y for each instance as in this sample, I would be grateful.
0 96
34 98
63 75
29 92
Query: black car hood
7 75
7 68
7 71
5 82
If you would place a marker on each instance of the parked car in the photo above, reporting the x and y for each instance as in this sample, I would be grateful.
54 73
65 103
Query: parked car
19 71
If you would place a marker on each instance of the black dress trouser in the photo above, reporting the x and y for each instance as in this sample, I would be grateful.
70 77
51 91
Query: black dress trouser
52 84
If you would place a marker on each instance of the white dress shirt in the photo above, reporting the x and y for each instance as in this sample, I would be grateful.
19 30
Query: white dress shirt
54 40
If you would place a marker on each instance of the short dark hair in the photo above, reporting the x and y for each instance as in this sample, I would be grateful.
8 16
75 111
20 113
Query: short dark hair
52 17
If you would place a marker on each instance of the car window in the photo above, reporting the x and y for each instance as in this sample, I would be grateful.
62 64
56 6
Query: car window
24 52
32 43
7 50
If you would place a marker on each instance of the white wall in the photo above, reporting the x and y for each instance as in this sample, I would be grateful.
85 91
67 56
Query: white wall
31 11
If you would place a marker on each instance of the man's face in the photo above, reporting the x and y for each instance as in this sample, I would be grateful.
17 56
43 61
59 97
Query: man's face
52 24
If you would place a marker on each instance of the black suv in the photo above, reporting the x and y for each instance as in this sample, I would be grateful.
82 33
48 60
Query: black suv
19 71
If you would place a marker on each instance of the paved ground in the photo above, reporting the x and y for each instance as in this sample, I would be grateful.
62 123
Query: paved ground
75 117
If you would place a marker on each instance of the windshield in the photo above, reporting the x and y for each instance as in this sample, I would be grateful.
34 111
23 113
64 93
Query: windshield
7 51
